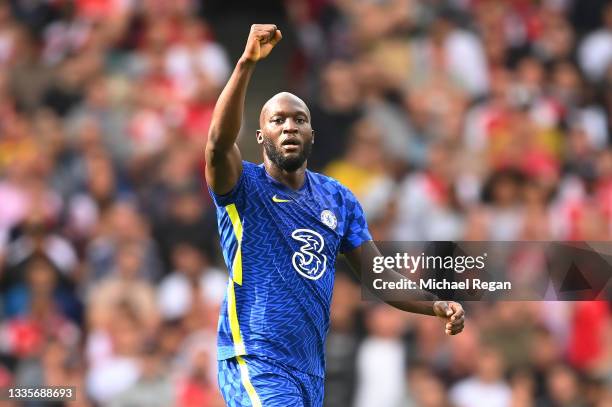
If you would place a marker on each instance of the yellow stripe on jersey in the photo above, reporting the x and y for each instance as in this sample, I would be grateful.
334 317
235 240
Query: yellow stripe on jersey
237 225
233 319
246 382
236 278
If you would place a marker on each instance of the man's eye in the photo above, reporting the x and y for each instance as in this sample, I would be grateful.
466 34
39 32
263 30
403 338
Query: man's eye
300 120
277 121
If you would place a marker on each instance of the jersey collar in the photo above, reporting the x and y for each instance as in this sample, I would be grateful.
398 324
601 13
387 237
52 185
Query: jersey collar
285 188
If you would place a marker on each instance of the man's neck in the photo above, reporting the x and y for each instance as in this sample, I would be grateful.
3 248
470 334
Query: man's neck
294 179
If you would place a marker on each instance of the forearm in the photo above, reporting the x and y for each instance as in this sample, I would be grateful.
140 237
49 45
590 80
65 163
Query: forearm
421 302
417 307
227 116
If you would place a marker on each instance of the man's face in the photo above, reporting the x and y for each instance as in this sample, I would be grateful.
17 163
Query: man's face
286 132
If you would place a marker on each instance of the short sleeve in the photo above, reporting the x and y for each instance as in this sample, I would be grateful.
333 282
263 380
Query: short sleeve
233 195
356 228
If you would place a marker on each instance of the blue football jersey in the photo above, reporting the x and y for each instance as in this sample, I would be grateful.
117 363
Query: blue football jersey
280 246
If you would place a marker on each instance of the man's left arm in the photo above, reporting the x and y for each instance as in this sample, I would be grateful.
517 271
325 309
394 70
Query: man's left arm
451 312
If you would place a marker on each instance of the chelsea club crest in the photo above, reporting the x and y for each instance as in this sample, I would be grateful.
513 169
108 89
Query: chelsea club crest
329 219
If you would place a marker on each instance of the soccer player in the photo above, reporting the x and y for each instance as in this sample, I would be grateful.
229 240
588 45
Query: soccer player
281 227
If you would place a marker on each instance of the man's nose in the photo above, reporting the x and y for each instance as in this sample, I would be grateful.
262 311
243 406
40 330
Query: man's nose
290 126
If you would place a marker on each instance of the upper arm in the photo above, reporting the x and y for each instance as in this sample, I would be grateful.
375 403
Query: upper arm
359 255
223 167
353 258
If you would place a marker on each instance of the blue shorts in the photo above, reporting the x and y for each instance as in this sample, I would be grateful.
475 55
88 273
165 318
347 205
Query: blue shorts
261 382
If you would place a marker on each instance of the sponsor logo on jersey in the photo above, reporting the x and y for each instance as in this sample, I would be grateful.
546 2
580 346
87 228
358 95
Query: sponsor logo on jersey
309 261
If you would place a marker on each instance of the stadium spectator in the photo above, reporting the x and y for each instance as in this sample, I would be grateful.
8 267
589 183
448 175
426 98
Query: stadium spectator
380 359
595 52
486 387
336 110
192 278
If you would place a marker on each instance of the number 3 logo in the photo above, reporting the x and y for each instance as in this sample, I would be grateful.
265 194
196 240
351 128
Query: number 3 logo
309 261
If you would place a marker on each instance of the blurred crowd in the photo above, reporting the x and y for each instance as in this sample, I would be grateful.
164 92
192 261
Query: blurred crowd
450 120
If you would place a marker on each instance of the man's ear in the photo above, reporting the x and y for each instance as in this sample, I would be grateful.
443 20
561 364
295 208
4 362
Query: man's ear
313 136
259 137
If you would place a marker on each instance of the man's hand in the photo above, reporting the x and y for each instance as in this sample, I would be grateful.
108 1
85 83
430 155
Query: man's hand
452 313
262 38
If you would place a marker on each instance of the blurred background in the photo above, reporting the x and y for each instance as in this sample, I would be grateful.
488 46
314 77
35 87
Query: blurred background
450 120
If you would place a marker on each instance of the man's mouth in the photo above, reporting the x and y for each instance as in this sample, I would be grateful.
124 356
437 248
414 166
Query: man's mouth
291 145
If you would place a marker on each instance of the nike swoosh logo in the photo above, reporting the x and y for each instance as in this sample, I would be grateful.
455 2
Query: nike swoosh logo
279 200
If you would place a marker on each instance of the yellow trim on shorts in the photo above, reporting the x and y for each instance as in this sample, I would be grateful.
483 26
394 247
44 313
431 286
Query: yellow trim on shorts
246 382
237 225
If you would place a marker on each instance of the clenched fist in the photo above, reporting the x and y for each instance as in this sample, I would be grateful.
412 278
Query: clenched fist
262 38
453 315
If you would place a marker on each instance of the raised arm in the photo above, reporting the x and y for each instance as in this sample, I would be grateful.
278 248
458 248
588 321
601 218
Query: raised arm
223 160
451 312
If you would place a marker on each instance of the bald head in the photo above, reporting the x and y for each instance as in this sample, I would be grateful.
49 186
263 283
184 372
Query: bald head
285 131
278 102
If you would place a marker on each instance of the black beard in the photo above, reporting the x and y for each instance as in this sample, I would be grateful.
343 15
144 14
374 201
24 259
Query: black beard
287 164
